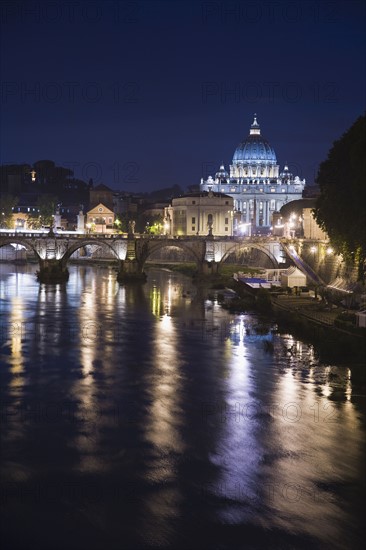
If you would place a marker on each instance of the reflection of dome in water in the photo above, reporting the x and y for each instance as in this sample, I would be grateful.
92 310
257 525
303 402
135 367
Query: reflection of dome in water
254 147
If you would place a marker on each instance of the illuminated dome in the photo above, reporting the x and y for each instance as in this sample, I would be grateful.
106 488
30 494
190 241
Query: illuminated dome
221 174
255 183
255 148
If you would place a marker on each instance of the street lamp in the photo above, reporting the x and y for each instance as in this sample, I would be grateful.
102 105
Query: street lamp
243 227
117 223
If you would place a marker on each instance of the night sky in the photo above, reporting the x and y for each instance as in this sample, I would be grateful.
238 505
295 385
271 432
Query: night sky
146 95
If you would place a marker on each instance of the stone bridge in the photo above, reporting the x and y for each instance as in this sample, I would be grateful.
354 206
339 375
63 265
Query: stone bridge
132 251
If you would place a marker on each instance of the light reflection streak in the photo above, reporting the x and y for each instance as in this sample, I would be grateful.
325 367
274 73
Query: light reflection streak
15 335
50 298
348 389
155 301
16 429
83 389
162 428
238 468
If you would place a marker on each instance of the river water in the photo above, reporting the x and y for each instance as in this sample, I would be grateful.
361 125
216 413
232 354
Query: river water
146 416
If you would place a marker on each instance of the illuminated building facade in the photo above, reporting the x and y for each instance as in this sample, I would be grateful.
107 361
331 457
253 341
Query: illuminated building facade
255 183
200 214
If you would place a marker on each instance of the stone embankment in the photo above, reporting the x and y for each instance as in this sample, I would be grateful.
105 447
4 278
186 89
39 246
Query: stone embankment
308 307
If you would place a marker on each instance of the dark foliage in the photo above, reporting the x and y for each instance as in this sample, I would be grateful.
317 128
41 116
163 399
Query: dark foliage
340 208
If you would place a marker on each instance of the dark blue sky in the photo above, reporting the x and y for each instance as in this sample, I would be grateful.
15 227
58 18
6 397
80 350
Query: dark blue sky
143 95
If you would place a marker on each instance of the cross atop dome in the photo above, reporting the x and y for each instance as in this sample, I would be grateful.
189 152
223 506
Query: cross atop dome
255 128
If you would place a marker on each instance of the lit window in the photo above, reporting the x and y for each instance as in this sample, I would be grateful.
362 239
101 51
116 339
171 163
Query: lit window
273 190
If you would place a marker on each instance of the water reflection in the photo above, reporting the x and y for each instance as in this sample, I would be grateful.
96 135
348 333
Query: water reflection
181 414
238 448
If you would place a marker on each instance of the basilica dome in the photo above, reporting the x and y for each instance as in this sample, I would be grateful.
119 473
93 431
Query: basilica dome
254 148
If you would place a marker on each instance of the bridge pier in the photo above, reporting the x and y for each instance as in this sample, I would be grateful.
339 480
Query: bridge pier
52 271
129 271
209 268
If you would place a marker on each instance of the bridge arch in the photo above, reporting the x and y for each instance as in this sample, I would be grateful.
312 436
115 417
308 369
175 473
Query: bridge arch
7 241
153 246
85 242
237 247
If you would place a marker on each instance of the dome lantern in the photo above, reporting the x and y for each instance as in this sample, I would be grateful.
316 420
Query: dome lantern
255 128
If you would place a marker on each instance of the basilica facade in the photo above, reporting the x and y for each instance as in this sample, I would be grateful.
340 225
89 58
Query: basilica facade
255 183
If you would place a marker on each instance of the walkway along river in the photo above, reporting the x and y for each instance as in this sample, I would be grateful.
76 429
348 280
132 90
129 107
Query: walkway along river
146 416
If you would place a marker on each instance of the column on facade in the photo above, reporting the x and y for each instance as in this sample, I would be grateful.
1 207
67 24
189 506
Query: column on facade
267 222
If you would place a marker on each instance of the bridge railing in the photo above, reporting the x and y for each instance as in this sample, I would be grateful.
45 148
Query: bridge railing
144 236
63 235
23 234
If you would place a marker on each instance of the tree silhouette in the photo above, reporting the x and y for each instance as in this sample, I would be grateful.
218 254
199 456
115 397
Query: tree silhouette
46 206
340 208
7 203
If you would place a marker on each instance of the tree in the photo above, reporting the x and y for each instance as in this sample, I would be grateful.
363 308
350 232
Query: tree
340 208
122 221
150 223
55 178
46 206
7 204
155 224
